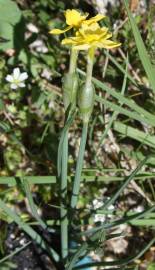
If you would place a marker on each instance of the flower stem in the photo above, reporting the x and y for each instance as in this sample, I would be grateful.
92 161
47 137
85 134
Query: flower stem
73 61
63 212
87 88
76 185
64 171
90 62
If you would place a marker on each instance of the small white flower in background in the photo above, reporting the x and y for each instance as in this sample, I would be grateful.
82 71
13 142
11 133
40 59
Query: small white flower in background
32 28
97 203
46 74
16 79
39 46
101 217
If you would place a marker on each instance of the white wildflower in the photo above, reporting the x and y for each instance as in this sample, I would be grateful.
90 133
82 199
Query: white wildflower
16 79
46 74
32 28
39 46
97 203
99 218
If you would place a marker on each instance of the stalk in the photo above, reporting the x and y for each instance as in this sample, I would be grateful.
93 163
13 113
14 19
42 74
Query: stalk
63 176
85 105
73 61
90 62
76 185
63 190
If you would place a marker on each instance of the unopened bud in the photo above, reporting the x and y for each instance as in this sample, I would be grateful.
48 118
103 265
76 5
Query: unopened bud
70 87
86 98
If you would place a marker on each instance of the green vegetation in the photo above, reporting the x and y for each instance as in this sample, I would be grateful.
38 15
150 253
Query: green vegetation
77 152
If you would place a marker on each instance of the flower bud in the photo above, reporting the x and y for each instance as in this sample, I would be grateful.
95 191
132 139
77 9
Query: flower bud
70 86
86 98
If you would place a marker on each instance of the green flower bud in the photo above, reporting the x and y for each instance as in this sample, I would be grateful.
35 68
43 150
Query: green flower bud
70 86
86 99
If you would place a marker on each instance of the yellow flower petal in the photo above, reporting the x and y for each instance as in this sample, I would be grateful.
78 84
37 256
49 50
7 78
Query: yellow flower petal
107 36
82 47
69 41
59 31
94 19
93 29
109 44
91 35
74 18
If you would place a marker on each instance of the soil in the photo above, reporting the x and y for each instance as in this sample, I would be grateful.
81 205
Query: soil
31 257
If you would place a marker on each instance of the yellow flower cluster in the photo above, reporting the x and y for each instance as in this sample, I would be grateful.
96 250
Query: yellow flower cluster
91 36
88 33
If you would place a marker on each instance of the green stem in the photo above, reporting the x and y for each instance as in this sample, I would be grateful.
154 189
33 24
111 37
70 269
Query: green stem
76 185
63 211
73 61
64 170
90 62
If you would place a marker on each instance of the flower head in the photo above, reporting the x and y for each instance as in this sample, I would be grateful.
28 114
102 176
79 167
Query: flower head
74 19
91 36
16 79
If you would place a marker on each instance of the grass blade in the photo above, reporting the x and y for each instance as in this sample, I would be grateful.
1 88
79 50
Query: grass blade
124 100
32 204
13 181
96 232
115 113
120 110
114 61
63 134
135 134
17 250
29 230
126 182
144 57
119 262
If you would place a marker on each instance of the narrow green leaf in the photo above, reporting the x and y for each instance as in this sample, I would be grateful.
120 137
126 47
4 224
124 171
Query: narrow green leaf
135 134
14 252
120 110
115 113
39 180
124 100
63 134
84 248
127 219
119 262
126 182
115 62
29 230
144 57
32 204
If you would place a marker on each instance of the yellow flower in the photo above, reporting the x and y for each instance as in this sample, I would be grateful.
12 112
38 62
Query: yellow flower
89 36
75 19
94 19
